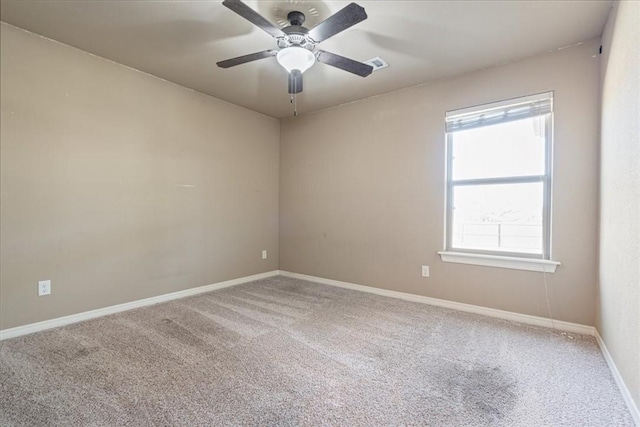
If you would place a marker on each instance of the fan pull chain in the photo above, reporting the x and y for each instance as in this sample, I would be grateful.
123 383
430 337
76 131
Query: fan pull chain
295 106
293 98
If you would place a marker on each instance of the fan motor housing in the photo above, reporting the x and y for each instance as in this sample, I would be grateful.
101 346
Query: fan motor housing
296 35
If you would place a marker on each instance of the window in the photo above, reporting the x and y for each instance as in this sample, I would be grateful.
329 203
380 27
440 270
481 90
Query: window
499 180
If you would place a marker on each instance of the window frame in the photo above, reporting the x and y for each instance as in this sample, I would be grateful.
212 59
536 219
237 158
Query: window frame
545 178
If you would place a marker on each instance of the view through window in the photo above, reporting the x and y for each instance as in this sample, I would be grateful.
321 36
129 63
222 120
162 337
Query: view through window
499 178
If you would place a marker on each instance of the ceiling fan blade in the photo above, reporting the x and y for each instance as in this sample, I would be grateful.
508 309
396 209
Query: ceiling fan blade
346 64
339 21
295 81
252 16
246 58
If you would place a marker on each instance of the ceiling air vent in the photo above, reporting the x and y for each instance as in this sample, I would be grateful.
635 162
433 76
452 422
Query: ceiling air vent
377 63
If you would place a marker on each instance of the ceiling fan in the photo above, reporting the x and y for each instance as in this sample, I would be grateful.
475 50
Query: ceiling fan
297 45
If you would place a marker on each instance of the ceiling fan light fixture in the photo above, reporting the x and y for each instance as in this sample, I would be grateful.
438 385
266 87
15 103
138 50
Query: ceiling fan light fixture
296 58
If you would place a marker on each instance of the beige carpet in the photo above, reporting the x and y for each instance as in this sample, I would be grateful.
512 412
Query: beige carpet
286 352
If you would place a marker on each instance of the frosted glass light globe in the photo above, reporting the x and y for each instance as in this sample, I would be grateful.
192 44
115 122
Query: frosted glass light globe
296 58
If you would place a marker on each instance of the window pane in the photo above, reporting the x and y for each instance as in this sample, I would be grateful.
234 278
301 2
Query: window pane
506 149
505 217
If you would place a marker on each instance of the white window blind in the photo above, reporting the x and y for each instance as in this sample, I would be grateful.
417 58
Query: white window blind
499 112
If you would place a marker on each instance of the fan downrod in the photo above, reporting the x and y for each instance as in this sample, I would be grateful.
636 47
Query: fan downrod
296 18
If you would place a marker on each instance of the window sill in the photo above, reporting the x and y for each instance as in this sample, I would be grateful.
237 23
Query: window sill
514 263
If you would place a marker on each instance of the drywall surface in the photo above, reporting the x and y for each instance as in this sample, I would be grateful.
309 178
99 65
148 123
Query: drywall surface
362 189
118 186
619 290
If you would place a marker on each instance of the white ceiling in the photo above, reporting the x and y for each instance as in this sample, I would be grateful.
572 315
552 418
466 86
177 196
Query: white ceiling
181 41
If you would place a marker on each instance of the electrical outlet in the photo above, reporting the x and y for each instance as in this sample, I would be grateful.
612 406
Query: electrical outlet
264 254
44 288
425 271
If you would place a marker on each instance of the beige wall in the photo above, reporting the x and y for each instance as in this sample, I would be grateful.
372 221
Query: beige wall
619 296
118 186
362 189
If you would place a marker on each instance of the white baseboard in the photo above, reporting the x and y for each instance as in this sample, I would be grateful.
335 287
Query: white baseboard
492 312
626 394
79 317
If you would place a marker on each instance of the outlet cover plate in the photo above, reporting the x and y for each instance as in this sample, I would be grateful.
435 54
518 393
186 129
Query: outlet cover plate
425 271
44 287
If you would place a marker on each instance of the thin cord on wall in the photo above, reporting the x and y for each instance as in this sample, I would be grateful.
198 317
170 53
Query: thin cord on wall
546 292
